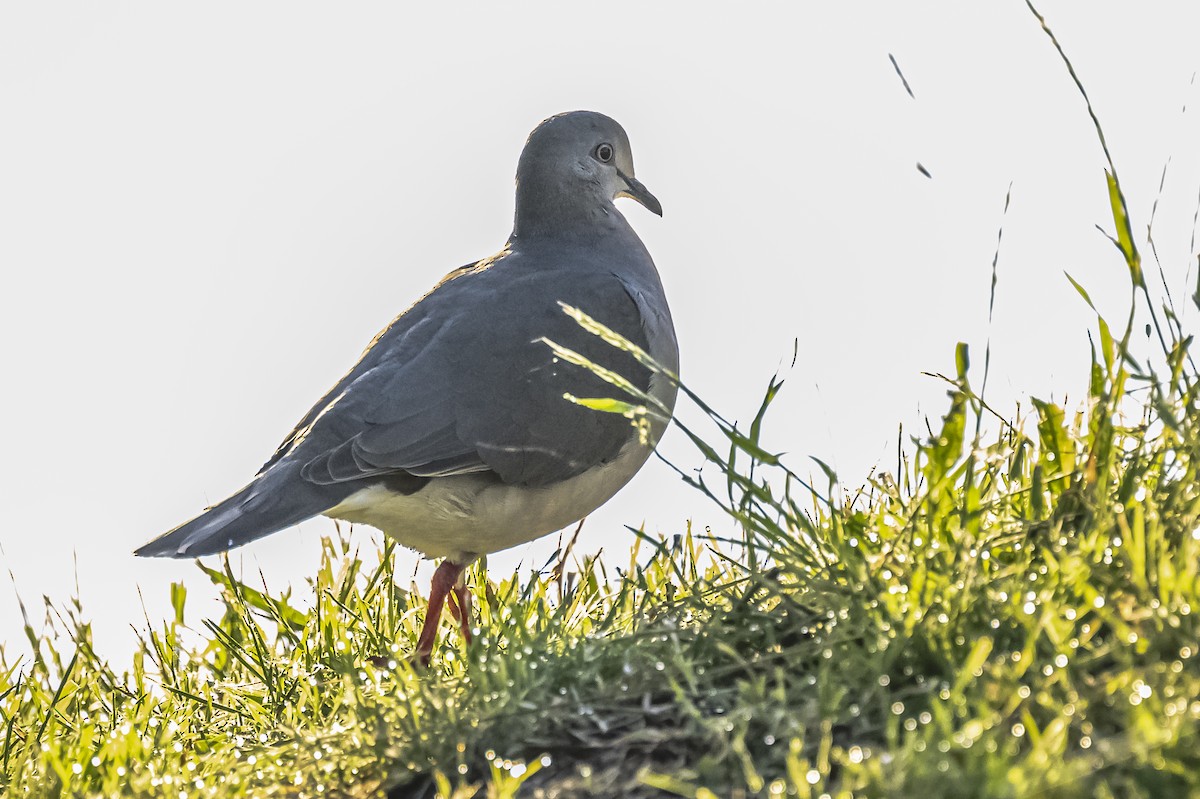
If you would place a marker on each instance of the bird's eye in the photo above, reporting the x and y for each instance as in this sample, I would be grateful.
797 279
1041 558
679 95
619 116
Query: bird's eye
604 153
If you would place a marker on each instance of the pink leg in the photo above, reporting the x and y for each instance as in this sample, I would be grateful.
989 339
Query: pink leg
445 580
460 608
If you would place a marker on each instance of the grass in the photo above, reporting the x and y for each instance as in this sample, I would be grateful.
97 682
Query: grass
1009 613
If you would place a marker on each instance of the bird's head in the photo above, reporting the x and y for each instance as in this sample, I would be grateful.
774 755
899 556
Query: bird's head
574 165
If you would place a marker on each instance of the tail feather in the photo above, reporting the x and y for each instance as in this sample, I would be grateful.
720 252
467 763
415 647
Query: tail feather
277 499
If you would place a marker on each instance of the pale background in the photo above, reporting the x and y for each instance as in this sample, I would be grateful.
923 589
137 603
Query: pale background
207 211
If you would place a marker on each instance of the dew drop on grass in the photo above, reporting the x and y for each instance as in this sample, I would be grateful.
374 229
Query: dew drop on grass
813 776
769 740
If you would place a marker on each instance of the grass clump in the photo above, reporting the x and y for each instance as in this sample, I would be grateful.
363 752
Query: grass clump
1010 612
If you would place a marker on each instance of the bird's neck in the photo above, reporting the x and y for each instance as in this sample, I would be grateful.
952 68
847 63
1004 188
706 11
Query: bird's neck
549 210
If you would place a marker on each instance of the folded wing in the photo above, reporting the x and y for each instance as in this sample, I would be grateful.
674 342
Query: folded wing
483 392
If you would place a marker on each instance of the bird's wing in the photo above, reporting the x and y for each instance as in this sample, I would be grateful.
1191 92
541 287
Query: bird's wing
483 391
459 384
406 334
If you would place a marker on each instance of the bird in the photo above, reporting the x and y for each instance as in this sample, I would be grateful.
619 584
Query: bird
462 429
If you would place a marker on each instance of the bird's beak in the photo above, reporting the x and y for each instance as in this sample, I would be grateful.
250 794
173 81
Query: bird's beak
634 190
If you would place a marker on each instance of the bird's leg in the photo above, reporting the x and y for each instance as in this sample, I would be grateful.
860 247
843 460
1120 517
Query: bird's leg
445 579
460 608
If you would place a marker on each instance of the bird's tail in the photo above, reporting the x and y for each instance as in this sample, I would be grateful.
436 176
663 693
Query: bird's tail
276 499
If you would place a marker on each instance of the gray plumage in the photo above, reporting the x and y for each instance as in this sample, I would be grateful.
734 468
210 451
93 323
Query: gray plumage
451 433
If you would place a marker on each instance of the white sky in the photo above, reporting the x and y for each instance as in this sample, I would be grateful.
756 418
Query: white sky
207 211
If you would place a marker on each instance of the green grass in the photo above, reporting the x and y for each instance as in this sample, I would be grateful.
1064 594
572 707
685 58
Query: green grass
1007 614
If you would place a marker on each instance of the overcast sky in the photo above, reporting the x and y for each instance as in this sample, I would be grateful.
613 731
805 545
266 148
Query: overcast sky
206 211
